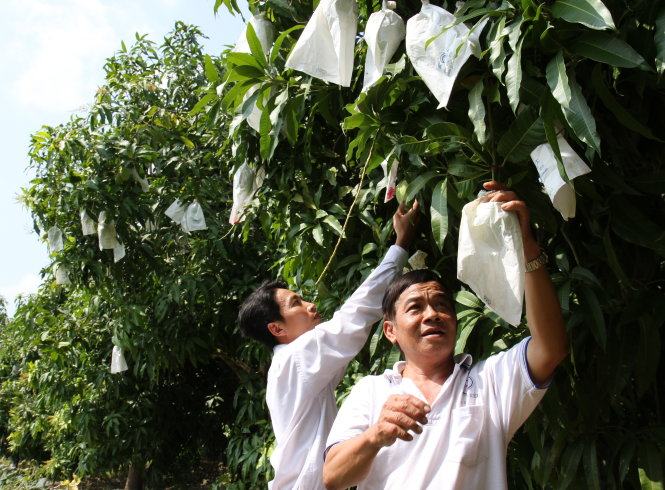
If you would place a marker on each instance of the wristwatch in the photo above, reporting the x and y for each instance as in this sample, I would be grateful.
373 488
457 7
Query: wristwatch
537 263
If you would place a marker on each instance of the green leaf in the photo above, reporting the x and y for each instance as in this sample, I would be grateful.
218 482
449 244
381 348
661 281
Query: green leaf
570 462
585 275
242 59
477 111
608 49
467 298
497 57
464 334
590 13
210 69
514 73
597 320
557 79
659 39
548 113
317 233
203 103
418 183
591 466
579 118
622 115
439 213
650 468
255 45
274 51
523 135
332 222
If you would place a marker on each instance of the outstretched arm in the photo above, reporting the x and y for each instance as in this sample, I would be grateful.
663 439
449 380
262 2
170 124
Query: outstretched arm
549 344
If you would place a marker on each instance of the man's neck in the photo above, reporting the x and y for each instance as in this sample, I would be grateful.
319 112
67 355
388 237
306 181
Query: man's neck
429 377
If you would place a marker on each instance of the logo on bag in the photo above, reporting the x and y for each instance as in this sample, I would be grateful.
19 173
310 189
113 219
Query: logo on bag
445 62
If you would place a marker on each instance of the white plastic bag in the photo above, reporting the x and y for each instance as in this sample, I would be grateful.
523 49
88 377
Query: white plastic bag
490 258
561 193
384 32
264 31
439 62
118 252
193 219
176 211
245 184
61 275
390 176
55 243
106 233
417 260
118 363
88 225
143 182
325 48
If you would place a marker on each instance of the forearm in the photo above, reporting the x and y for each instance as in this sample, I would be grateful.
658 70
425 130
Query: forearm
548 344
348 463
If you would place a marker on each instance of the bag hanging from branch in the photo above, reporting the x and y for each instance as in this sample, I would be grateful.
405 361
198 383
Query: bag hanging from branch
324 50
176 211
55 243
61 275
264 31
561 193
106 233
88 225
245 184
390 176
143 182
438 50
418 260
118 252
118 363
490 258
193 219
384 32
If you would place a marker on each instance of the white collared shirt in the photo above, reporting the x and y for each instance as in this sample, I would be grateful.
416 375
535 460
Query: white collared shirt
464 443
304 373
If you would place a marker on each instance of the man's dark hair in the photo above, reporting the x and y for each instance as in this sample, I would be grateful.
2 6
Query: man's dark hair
258 310
403 282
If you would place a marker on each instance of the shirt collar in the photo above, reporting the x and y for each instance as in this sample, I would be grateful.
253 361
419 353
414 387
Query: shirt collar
395 374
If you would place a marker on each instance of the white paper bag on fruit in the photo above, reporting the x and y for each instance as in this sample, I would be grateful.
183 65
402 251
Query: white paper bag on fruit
118 363
490 258
390 175
438 51
193 219
55 242
245 184
176 211
384 32
61 275
106 232
265 33
561 193
324 50
88 225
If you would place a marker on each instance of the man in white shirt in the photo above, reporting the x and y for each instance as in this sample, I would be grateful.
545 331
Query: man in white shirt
435 421
310 357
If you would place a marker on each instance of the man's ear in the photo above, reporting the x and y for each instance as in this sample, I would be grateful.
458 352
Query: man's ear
389 331
277 330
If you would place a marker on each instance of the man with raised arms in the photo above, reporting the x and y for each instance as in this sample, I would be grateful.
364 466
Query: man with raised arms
310 357
435 420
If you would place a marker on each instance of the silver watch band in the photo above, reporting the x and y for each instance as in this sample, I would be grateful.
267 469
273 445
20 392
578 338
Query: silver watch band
537 263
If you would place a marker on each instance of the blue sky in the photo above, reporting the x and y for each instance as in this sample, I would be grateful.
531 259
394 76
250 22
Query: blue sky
51 63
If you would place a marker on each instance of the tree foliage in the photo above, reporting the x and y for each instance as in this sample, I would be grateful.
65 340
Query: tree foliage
589 70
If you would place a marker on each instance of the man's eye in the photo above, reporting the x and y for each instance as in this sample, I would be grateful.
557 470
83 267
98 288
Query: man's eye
412 308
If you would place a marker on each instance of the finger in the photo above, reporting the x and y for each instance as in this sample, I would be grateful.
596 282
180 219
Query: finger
401 209
403 421
503 196
410 406
520 208
494 185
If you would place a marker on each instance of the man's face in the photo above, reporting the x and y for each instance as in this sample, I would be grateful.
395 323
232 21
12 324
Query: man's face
298 315
425 324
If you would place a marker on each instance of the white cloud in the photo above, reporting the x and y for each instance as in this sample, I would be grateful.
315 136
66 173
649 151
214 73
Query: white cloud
28 284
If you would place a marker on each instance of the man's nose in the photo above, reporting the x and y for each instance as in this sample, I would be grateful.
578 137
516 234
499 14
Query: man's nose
311 307
431 313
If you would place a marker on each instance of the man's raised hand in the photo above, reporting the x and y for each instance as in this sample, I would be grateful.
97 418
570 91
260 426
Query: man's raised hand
405 223
400 414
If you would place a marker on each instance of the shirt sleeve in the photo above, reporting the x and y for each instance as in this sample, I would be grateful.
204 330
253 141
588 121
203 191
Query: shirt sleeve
323 352
354 415
516 393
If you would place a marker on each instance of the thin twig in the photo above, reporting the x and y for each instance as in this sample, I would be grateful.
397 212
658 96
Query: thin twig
348 215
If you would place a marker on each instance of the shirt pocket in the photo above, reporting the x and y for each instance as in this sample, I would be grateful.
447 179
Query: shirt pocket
465 434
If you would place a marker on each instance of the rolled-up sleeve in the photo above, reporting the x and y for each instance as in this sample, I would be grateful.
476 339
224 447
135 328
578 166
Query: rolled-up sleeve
353 417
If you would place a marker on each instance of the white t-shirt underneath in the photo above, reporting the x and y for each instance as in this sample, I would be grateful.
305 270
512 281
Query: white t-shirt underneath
463 445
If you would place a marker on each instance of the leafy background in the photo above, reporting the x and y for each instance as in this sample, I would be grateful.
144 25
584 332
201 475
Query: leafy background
591 71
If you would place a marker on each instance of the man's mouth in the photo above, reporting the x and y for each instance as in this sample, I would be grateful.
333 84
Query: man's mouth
434 332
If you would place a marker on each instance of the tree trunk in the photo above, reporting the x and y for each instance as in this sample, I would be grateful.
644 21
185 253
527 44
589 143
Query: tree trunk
134 478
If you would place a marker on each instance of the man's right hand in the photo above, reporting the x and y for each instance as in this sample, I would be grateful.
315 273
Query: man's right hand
399 414
405 223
